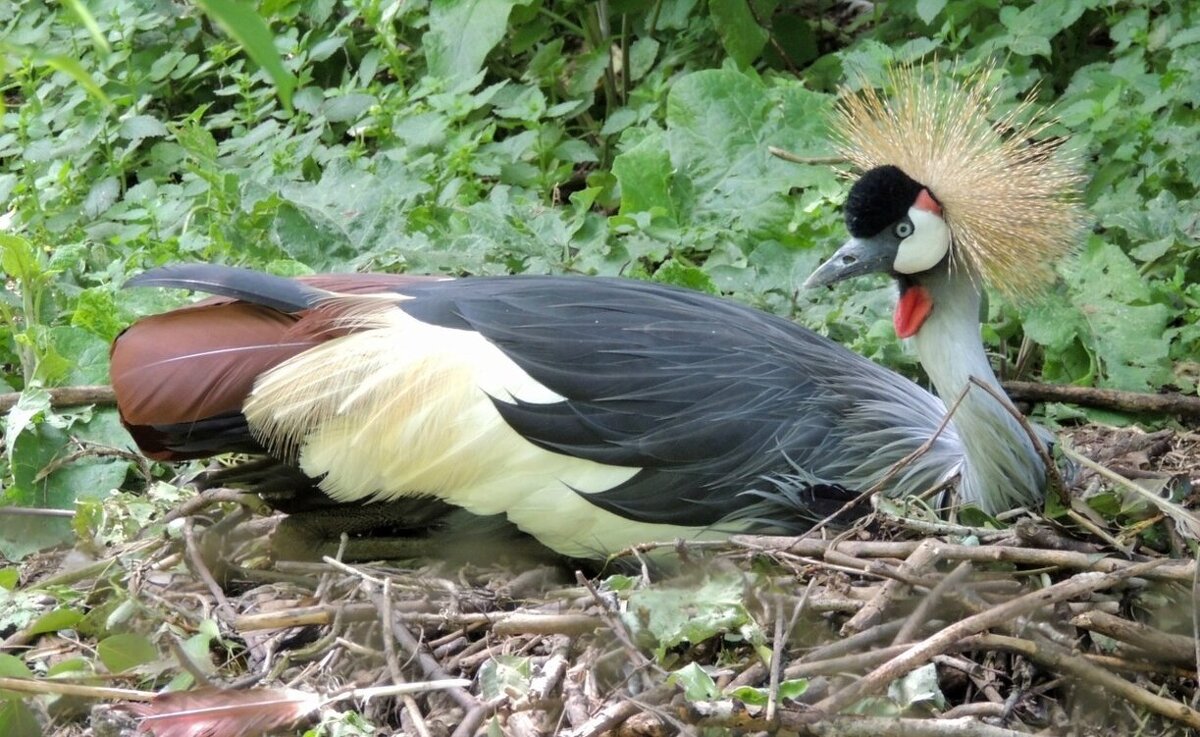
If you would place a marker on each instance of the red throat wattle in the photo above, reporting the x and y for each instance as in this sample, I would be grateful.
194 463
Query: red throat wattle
914 306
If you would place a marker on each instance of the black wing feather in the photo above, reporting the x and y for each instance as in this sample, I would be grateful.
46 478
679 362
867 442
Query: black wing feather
708 397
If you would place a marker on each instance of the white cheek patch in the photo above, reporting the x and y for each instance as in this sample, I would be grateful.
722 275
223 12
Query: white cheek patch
926 247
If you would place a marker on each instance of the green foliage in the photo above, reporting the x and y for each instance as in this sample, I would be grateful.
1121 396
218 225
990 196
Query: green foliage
502 136
668 616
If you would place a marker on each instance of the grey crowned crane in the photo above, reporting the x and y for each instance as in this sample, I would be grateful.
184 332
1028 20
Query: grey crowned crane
598 413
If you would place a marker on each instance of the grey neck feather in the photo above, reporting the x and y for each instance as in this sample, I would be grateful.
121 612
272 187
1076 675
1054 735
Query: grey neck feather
1001 469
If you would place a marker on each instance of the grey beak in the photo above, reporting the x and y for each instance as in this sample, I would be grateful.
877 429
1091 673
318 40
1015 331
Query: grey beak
856 257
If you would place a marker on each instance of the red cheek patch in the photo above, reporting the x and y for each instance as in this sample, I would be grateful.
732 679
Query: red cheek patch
914 306
926 202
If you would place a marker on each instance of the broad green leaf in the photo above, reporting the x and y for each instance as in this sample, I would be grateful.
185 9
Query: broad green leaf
18 720
504 675
123 652
137 127
101 196
696 683
721 124
87 352
13 667
918 686
71 667
644 173
671 615
9 578
56 620
250 30
86 478
462 32
18 258
741 34
927 10
1126 326
683 275
34 401
788 689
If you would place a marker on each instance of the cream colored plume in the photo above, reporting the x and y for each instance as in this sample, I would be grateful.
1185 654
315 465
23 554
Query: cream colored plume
1011 200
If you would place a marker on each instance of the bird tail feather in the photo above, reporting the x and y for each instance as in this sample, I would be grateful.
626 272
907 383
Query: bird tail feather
276 292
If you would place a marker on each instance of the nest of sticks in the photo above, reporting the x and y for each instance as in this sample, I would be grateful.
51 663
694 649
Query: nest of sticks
908 627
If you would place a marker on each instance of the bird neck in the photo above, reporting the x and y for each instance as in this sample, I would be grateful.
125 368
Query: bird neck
1001 469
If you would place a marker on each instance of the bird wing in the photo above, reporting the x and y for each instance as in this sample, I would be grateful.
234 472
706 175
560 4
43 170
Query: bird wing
635 388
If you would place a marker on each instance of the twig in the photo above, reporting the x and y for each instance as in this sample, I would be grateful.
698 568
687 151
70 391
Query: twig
533 623
920 615
735 715
1182 516
618 628
844 663
1052 656
925 555
777 656
798 159
35 512
207 498
66 396
616 712
389 653
46 686
1173 403
1174 648
200 568
927 527
1170 570
919 654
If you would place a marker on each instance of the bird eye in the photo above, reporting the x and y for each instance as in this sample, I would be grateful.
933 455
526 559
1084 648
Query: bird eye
903 229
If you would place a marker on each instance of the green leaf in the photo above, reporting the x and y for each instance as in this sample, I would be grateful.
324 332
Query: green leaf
123 652
750 695
684 275
73 667
18 258
65 64
741 34
13 667
18 720
34 401
250 30
793 688
677 614
461 33
87 478
80 11
644 174
721 124
56 620
504 675
696 683
1126 326
927 10
137 127
87 354
918 686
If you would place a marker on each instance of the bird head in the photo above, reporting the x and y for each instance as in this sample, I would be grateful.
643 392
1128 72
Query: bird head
947 183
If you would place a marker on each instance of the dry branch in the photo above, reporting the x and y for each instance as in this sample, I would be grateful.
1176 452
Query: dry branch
1172 403
1170 570
1174 648
922 652
1060 659
66 396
